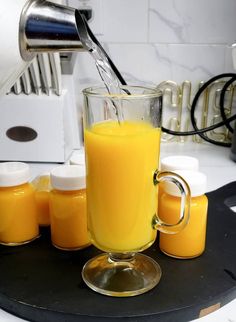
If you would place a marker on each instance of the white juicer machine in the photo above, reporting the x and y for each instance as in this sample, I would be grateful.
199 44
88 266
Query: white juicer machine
37 124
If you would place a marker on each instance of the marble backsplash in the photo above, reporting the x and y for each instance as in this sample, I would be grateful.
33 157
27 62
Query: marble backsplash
151 41
154 41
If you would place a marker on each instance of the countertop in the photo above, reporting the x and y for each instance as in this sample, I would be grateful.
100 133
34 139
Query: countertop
215 163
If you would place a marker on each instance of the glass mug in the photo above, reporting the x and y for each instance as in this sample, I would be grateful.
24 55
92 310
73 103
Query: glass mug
122 135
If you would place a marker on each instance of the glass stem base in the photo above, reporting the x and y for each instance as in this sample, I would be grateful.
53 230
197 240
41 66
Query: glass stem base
121 275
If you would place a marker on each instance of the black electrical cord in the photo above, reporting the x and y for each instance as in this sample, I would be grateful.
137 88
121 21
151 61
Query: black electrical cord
222 99
225 121
195 100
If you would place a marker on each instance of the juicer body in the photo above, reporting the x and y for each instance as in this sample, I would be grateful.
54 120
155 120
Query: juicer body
29 27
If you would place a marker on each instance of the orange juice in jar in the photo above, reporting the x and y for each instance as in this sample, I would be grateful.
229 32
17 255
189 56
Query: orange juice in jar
18 217
68 213
189 242
42 190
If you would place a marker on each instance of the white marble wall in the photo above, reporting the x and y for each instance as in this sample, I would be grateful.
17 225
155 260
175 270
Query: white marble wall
155 40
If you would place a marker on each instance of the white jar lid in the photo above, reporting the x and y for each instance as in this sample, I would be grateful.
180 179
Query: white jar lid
13 173
197 182
77 158
68 177
179 162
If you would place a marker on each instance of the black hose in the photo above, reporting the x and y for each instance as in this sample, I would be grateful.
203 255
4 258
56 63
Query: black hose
222 99
226 121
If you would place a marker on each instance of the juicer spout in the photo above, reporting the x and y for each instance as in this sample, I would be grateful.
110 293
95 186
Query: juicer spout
47 27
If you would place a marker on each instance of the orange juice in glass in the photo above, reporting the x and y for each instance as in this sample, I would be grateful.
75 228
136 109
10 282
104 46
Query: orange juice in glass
122 147
124 157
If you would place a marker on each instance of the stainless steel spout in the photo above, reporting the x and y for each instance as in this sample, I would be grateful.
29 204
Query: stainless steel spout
47 27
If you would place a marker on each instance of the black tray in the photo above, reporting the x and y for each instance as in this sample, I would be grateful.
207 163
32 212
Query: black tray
41 283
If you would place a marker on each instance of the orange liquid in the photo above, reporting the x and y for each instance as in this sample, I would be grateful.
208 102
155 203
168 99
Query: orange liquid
18 216
42 202
68 217
42 189
122 199
189 242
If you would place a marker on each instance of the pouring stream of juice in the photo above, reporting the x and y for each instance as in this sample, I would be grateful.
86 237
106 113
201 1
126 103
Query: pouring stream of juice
136 147
109 78
104 68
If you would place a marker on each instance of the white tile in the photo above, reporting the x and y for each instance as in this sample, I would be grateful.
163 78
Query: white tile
138 63
196 62
190 21
230 67
154 63
85 75
141 63
125 21
167 24
85 72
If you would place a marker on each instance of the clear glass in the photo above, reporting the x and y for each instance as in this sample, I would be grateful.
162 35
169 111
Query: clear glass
122 146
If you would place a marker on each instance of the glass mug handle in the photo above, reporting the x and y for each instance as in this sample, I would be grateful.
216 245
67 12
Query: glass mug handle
185 193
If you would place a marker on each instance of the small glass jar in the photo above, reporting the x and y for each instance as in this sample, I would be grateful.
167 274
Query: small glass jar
42 188
18 222
189 242
68 209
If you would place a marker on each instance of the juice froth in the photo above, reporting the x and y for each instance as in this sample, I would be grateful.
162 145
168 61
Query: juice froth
122 199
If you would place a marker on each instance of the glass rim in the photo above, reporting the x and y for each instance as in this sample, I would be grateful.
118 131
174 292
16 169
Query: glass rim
100 91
